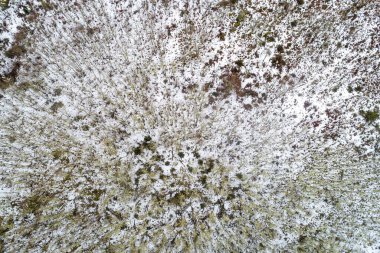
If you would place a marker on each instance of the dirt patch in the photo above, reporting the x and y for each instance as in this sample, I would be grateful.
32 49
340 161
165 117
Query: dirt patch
9 79
232 83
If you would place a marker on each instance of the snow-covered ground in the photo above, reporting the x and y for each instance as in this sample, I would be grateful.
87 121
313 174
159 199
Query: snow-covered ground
190 126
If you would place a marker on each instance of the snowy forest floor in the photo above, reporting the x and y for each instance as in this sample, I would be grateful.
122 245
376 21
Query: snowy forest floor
190 126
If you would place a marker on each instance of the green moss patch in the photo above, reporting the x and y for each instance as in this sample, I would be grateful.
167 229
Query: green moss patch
370 116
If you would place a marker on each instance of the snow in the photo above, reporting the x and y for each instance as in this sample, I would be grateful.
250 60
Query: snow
171 137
